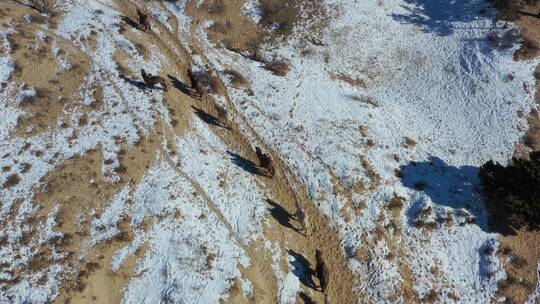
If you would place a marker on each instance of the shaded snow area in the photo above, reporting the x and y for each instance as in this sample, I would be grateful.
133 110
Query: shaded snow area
384 72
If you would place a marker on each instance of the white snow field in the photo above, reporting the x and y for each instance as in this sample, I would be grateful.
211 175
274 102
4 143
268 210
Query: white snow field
430 74
400 99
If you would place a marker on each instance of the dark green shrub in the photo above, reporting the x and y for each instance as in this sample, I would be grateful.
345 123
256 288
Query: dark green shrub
507 10
513 192
510 10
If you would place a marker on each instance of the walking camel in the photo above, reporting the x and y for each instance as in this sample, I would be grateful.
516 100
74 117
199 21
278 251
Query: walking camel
143 21
265 162
320 270
196 83
152 80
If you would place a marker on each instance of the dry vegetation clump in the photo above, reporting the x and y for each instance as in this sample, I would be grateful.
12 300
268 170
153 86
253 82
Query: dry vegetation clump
279 15
236 79
221 27
532 138
11 181
47 7
360 83
431 297
409 142
423 221
396 202
215 7
277 67
527 49
427 225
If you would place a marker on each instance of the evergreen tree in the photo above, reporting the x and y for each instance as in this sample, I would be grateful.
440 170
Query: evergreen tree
513 192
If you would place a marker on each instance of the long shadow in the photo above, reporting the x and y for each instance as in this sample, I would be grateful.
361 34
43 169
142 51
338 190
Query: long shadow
445 185
131 23
282 216
245 164
183 87
208 118
530 14
485 262
304 297
244 53
139 84
439 16
302 269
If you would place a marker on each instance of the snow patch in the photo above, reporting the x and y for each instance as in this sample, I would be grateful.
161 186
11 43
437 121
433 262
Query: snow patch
252 9
7 66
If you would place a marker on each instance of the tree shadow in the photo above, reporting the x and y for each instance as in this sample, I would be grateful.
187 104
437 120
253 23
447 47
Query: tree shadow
450 186
485 261
139 84
245 164
183 87
439 16
282 216
302 269
208 118
131 23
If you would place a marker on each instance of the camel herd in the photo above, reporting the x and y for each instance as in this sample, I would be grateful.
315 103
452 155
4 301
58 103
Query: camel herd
151 81
265 161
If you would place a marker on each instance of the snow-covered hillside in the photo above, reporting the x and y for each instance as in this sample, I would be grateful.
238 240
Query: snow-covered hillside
377 115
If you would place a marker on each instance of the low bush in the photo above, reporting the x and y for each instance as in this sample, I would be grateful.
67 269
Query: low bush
215 7
279 15
278 68
47 7
235 78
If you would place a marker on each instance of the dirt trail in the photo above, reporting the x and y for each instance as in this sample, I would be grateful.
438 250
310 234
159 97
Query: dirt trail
284 189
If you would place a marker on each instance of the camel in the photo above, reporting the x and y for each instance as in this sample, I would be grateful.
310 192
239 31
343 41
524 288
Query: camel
143 21
151 80
196 84
320 270
265 162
